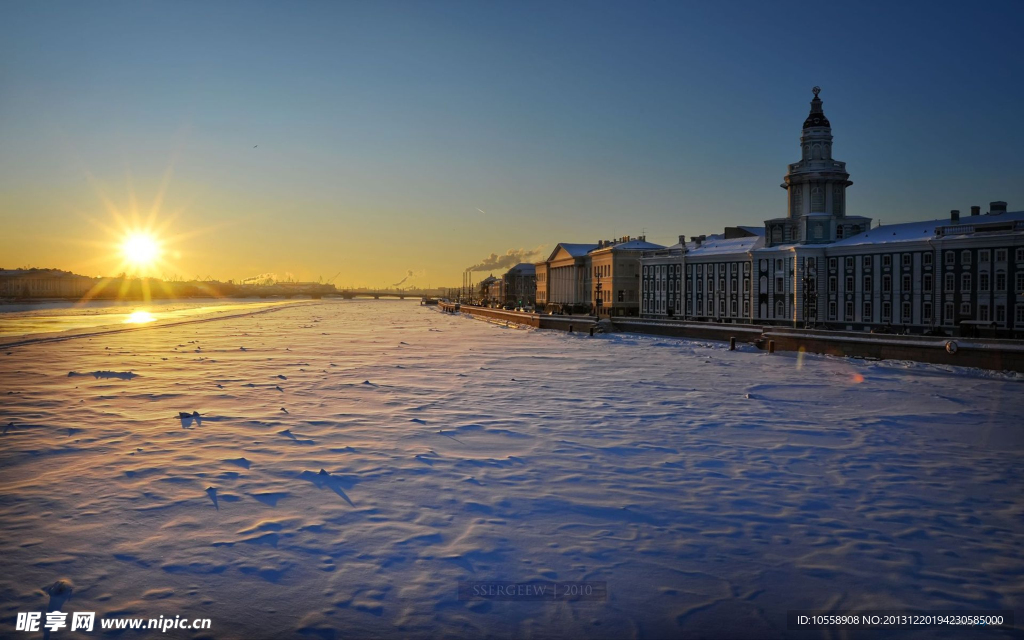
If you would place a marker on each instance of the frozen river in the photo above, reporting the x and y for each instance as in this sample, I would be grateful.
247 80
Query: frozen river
711 490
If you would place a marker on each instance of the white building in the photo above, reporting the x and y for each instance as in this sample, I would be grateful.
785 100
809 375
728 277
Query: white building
819 266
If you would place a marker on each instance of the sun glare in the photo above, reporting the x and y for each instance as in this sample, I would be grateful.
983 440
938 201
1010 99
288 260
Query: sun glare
140 250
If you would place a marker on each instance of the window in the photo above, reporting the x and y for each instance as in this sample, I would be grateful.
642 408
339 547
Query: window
927 283
886 261
983 312
906 284
721 308
645 270
734 303
849 283
778 264
1000 281
1020 255
984 255
983 281
764 265
965 308
849 310
886 311
950 283
1019 315
734 284
950 257
763 284
867 283
700 308
906 312
832 263
886 283
965 282
926 312
867 311
780 309
926 259
700 285
1020 281
689 307
866 263
965 256
1000 255
849 262
839 232
779 285
948 313
831 310
810 263
1001 314
832 286
907 258
721 285
746 308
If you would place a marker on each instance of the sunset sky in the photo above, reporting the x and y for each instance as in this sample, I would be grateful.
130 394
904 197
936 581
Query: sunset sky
379 138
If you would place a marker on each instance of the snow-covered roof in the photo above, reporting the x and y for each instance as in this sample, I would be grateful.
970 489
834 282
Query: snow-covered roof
525 268
758 231
924 230
634 245
718 245
576 250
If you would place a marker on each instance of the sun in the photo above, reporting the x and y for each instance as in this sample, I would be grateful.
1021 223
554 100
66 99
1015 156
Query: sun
140 250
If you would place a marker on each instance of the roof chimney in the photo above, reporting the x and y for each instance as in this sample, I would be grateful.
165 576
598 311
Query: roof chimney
682 241
975 210
996 208
954 216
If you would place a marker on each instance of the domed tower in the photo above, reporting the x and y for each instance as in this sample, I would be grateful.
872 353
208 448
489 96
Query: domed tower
816 185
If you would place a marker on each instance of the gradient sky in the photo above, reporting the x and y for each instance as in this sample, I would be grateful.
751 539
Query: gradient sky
425 136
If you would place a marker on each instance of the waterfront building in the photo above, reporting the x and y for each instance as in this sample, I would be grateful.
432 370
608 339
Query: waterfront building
44 283
519 285
820 266
602 279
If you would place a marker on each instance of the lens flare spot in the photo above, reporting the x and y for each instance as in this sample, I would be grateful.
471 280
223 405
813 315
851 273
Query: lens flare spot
857 378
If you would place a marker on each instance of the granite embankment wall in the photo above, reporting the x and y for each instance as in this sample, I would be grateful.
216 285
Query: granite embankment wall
1000 355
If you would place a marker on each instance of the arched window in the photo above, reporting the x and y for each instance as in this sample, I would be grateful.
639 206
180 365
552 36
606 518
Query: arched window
817 199
780 309
777 234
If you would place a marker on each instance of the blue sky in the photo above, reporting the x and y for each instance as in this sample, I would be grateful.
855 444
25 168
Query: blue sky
384 129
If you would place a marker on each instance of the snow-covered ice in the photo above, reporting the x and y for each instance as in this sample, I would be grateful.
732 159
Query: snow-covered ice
355 460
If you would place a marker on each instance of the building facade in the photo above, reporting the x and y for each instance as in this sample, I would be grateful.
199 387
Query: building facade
820 267
519 285
600 279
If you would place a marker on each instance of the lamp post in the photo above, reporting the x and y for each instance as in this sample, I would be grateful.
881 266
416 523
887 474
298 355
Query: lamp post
598 301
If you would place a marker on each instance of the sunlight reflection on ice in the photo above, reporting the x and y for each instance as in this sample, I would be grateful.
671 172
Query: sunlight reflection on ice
140 317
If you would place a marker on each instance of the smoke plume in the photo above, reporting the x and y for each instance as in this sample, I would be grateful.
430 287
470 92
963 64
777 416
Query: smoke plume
509 259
